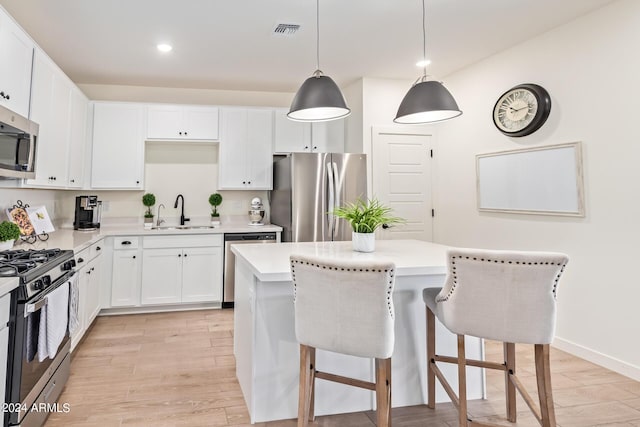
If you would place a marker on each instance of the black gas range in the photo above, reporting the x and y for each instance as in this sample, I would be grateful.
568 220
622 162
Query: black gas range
32 383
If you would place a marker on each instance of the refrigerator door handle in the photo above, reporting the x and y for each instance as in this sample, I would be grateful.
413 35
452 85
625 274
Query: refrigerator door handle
331 204
337 185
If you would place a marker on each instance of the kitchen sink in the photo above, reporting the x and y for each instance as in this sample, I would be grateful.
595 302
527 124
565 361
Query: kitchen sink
183 227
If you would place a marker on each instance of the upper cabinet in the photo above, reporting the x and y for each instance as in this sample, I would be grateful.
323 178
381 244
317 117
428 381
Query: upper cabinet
117 160
246 152
78 138
50 108
299 137
182 122
15 67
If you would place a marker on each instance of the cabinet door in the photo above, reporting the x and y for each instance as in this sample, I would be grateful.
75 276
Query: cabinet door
83 285
50 108
161 276
328 137
15 67
200 123
259 149
164 122
92 290
290 136
77 138
232 165
125 284
202 274
118 146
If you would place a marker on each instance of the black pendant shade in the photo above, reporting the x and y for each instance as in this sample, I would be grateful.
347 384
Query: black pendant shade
318 99
427 102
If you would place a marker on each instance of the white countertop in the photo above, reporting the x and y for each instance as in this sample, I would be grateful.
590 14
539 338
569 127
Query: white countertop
7 284
270 263
66 238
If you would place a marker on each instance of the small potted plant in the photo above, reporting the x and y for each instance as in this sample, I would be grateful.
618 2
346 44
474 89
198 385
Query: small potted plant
9 233
215 200
148 199
365 217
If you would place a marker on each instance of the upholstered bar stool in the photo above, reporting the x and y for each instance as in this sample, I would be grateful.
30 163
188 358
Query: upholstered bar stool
344 306
507 296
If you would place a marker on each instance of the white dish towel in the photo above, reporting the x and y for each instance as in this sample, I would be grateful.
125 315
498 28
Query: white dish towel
74 300
53 322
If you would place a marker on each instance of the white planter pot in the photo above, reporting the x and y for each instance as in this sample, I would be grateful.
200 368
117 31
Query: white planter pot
6 245
363 242
215 221
148 223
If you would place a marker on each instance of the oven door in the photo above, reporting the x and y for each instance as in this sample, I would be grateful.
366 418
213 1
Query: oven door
28 375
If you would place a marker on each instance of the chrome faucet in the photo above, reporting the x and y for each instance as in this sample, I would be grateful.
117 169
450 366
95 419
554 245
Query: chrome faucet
175 206
159 221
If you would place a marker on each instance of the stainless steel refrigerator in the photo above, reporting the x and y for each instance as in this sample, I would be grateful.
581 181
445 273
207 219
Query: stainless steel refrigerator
306 188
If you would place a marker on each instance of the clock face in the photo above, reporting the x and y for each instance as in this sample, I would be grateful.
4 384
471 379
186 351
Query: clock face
522 110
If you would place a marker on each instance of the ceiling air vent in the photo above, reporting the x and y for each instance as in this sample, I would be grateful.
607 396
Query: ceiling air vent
286 29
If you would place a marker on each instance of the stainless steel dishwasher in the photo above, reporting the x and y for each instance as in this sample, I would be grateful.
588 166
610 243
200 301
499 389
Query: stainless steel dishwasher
230 259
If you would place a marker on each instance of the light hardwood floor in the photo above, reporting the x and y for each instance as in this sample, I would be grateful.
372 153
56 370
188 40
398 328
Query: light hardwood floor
177 369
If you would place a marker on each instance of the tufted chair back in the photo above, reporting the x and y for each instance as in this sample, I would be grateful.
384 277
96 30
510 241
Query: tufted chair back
344 306
507 296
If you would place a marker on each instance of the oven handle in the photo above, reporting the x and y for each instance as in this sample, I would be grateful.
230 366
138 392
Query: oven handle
32 308
35 306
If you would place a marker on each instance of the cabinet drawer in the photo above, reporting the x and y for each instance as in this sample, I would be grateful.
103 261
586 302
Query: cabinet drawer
184 241
96 249
126 242
4 310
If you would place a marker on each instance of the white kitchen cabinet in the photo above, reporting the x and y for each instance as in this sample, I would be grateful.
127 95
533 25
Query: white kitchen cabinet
92 291
15 68
125 287
300 137
246 149
78 138
88 274
117 160
201 268
181 269
50 108
182 122
161 276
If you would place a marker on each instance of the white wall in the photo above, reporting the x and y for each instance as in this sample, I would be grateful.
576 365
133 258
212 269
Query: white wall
590 67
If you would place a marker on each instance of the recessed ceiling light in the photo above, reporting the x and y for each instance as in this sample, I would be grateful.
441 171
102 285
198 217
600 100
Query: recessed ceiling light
163 47
423 63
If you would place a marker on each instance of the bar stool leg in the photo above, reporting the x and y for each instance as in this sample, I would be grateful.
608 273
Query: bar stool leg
543 376
509 387
383 392
304 400
431 353
462 383
312 386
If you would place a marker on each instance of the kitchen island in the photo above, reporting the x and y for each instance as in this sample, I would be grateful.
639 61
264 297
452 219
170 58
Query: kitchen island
267 353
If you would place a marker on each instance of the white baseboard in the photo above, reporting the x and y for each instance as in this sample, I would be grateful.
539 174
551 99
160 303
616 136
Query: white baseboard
603 360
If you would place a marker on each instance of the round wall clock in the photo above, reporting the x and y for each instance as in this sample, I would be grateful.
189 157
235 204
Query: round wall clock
522 110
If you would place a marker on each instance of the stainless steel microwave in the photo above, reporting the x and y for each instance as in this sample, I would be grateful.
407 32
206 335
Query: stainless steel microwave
18 140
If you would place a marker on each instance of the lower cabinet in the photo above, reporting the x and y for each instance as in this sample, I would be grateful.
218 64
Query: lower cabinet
127 265
88 272
179 275
161 270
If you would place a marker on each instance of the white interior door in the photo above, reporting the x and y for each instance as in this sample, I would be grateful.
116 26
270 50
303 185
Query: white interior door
402 180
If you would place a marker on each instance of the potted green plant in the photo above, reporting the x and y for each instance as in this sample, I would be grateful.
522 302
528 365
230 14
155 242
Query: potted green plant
9 233
215 200
365 217
148 199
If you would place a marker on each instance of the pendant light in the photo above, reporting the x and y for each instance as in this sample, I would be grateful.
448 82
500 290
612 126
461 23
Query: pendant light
428 100
319 99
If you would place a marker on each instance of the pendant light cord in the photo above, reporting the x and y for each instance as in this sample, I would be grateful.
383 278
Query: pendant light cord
317 34
424 41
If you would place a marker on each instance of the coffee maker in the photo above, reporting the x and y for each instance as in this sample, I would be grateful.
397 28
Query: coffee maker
88 213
